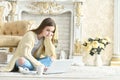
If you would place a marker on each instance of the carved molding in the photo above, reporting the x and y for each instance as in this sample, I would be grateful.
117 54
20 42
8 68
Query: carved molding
7 8
46 7
77 48
78 12
12 15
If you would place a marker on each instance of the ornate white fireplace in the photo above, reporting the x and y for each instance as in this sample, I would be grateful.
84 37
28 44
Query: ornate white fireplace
67 14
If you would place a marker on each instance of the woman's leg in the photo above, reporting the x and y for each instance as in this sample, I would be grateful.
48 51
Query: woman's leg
22 62
46 61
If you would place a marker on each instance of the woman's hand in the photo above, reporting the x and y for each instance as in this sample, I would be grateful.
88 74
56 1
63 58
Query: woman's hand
45 69
50 35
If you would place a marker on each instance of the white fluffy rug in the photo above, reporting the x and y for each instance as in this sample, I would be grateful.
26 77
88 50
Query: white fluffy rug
78 72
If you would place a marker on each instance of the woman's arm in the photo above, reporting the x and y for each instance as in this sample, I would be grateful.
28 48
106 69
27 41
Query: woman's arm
49 48
26 47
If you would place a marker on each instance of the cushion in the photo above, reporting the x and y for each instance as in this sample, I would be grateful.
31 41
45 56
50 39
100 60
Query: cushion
15 28
11 41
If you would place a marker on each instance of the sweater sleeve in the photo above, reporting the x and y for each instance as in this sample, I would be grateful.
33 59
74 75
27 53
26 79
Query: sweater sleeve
23 50
23 47
49 48
27 45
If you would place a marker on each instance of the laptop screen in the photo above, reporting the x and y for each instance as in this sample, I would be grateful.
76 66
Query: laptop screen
59 66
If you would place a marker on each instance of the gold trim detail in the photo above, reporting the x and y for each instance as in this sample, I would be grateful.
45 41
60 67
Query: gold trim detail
77 48
115 61
12 15
78 12
46 7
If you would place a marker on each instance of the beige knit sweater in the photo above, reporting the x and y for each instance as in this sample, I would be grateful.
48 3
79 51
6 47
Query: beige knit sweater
24 50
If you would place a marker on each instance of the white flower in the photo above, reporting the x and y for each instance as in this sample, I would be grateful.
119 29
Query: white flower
107 39
102 46
96 45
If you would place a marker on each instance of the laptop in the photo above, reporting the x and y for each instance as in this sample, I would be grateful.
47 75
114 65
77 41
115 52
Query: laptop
59 66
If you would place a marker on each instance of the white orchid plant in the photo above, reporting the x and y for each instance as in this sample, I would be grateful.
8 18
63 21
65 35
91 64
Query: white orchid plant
95 46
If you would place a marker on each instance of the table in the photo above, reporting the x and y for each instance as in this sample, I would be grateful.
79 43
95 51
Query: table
74 73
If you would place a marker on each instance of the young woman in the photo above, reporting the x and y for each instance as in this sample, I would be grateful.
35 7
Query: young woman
36 47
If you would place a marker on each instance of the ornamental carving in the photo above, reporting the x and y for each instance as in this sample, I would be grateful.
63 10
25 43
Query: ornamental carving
78 12
46 7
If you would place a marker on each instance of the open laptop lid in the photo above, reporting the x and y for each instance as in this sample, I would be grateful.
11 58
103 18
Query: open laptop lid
59 66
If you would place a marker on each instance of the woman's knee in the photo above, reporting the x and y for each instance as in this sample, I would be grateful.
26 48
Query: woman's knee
21 61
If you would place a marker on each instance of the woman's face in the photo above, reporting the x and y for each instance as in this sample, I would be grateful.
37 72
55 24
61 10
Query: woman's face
48 31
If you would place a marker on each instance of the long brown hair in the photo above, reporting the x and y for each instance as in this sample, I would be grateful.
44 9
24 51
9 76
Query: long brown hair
46 22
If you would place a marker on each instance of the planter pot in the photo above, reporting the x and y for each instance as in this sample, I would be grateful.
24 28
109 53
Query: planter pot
98 60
